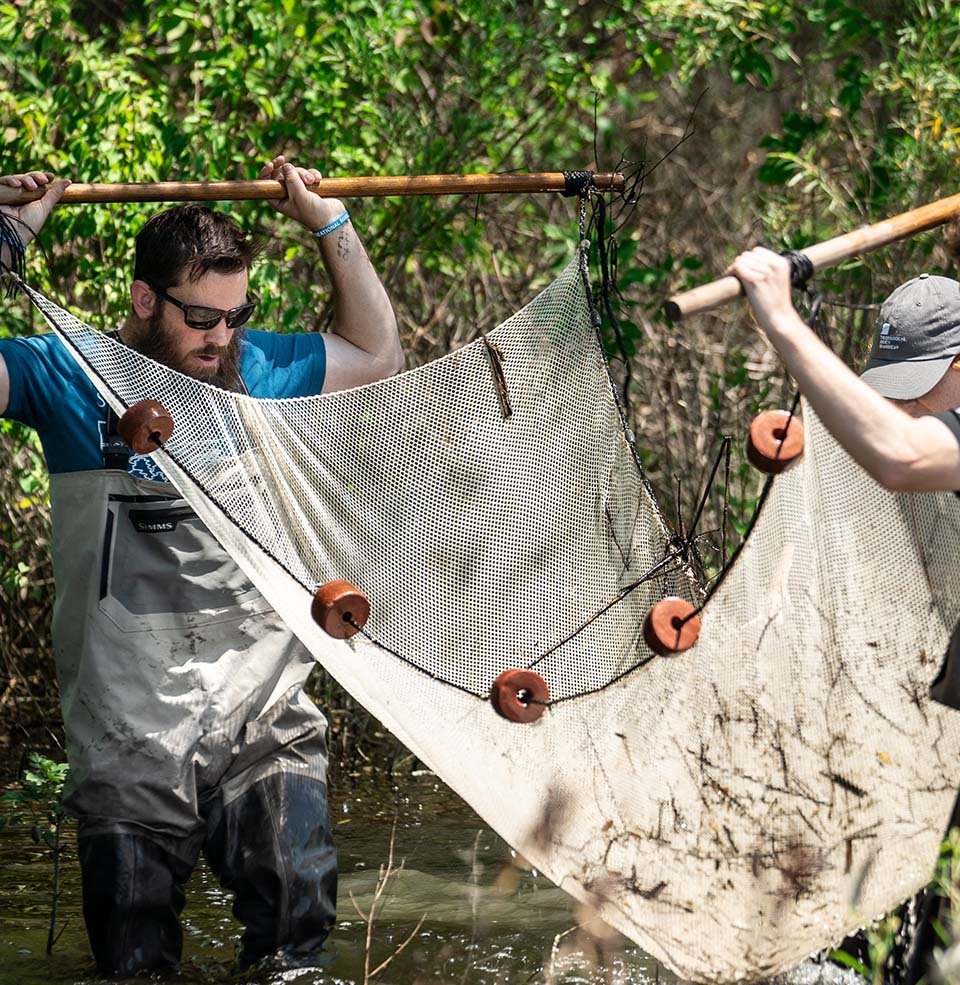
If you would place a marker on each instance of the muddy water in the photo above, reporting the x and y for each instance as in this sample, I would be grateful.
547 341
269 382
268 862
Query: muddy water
483 919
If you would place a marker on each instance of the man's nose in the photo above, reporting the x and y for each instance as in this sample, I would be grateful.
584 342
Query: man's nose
219 334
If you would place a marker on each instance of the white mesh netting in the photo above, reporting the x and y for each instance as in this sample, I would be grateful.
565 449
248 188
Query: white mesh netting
732 809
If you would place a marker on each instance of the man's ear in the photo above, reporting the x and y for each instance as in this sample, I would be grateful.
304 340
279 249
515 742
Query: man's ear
143 298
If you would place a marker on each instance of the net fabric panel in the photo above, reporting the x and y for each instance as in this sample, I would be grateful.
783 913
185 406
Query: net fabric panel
721 806
484 539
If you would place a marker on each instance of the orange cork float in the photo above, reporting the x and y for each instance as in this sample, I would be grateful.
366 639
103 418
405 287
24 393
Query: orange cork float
671 626
340 609
145 426
775 440
519 695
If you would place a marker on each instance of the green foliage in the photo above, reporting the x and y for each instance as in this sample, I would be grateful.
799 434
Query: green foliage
26 486
782 148
189 89
36 799
868 134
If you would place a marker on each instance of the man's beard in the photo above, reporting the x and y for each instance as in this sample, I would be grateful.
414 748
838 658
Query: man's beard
150 338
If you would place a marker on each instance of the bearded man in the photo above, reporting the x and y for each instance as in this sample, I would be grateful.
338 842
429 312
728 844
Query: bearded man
187 725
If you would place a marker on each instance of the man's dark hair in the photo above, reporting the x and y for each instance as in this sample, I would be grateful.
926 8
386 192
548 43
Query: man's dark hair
190 240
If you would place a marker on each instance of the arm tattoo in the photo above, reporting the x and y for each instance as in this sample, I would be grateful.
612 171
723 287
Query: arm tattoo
343 247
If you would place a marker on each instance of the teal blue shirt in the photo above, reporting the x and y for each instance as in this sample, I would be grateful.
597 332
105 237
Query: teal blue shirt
49 392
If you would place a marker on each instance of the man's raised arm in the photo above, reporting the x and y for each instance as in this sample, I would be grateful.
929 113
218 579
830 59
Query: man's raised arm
364 345
901 452
27 220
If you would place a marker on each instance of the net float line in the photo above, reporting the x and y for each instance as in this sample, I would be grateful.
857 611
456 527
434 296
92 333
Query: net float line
866 239
359 187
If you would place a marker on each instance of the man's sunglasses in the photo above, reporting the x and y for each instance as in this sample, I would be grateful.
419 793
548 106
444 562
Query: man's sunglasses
201 317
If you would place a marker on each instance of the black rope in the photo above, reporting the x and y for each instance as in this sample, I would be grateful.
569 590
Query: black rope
619 597
686 540
526 698
634 175
10 237
370 638
681 536
597 321
723 453
726 502
813 301
607 254
636 172
801 268
725 570
577 184
639 665
767 486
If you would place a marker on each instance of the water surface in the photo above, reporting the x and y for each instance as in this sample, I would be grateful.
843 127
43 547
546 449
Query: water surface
484 919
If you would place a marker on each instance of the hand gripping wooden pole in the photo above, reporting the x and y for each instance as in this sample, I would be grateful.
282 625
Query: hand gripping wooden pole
821 255
261 189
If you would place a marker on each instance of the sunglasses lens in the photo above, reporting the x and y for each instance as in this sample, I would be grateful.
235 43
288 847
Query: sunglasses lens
240 316
202 319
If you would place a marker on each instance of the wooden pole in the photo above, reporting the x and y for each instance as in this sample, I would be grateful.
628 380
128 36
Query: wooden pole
371 187
821 255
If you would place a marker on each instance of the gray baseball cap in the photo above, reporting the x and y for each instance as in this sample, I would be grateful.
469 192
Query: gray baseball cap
917 337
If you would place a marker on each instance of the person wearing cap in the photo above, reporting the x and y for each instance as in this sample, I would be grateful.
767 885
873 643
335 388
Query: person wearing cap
914 359
909 442
917 340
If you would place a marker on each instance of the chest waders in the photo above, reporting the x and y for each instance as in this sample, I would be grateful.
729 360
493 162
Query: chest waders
187 726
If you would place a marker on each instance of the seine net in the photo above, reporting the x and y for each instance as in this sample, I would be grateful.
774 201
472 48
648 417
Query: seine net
732 808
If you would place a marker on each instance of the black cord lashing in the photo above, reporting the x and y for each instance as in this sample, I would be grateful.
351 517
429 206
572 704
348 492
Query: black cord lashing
577 184
10 237
606 254
597 321
801 268
801 271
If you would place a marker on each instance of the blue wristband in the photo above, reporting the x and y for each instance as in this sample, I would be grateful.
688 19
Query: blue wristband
330 226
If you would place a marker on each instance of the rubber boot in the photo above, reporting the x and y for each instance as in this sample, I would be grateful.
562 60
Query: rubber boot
271 847
133 894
